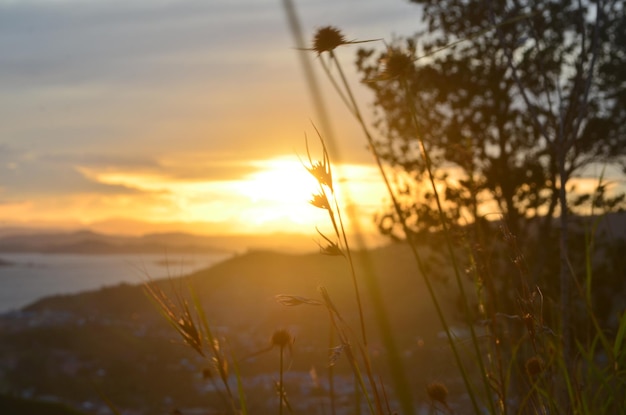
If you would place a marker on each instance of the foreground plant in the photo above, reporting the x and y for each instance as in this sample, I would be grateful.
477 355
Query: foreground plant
283 340
524 365
534 337
191 323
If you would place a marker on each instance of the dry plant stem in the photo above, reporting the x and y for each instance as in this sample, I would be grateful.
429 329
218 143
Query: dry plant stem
338 227
323 116
398 374
316 95
355 110
240 390
446 234
341 331
489 311
331 374
179 316
561 145
281 391
213 344
311 80
319 106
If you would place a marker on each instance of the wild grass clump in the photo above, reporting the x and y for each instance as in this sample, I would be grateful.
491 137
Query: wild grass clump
514 359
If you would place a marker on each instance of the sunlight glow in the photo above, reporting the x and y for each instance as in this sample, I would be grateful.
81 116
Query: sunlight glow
273 197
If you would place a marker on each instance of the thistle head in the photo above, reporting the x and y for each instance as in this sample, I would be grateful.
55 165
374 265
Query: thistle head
534 366
397 64
327 39
437 392
282 338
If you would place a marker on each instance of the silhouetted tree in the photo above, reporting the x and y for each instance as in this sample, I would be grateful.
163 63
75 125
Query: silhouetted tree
533 97
513 98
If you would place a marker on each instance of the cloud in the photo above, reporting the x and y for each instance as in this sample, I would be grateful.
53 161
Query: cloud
116 42
25 174
150 75
175 91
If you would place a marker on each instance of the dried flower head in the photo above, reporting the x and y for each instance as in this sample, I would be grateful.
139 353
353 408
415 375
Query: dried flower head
322 173
331 248
320 170
534 366
282 338
327 39
437 392
177 311
396 64
320 201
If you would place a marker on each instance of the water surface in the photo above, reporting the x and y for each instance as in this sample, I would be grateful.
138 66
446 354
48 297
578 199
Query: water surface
30 276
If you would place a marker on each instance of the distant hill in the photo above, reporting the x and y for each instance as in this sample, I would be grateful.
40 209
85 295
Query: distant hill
89 242
116 339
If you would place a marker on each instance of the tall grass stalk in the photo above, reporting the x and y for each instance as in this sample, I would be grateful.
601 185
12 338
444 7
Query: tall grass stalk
553 381
177 311
322 172
282 339
446 233
398 375
345 91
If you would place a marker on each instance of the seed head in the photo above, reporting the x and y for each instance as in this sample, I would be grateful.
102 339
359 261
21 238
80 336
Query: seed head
437 392
534 366
327 39
207 373
322 173
282 338
397 64
320 201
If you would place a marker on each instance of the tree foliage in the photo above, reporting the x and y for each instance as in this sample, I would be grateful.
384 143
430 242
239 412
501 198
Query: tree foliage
529 96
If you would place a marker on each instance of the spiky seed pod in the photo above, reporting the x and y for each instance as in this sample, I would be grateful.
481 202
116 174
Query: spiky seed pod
534 366
437 392
397 65
320 201
327 39
282 338
331 249
322 173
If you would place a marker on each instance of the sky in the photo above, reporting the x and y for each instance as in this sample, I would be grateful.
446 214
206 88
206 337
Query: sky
162 115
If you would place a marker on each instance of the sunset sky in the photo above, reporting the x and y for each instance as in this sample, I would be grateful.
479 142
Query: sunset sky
160 115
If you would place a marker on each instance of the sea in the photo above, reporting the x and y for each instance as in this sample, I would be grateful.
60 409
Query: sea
27 277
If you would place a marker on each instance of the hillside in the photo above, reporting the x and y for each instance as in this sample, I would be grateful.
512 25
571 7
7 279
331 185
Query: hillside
114 341
116 333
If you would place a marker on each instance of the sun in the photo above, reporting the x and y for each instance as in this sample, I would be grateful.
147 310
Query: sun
274 197
280 190
279 180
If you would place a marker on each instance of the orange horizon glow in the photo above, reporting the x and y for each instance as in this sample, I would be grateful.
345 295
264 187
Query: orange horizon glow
273 197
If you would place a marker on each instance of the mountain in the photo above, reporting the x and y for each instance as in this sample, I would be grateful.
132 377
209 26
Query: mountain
89 242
